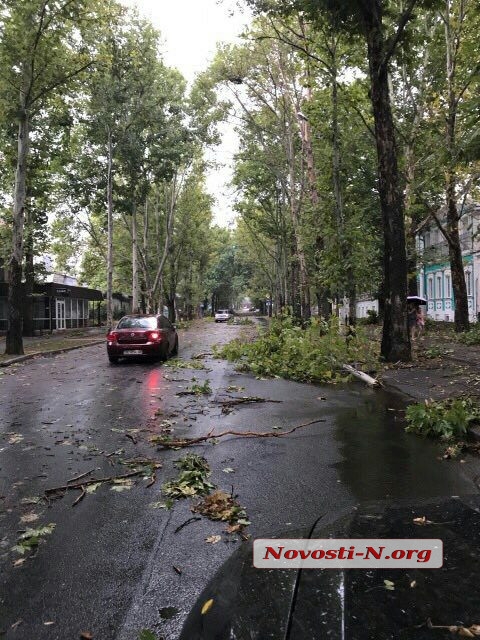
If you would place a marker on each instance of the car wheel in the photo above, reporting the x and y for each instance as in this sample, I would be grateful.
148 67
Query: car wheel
175 348
113 359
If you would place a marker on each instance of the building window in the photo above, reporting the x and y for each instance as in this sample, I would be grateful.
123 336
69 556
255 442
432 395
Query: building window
448 286
430 288
439 287
468 280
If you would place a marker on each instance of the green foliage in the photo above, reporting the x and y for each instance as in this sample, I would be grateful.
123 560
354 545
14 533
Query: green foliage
372 318
471 337
31 538
241 321
182 324
178 363
192 480
314 354
200 389
146 634
447 419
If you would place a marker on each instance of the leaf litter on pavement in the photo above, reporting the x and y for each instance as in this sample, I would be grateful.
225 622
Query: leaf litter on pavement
216 504
192 480
31 538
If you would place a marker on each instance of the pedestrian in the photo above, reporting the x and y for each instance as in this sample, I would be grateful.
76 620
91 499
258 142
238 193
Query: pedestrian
420 322
412 320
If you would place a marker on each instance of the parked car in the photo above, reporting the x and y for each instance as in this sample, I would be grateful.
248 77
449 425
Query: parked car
312 604
142 335
223 315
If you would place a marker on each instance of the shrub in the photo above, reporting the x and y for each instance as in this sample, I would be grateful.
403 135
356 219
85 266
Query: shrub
371 318
471 337
447 419
313 354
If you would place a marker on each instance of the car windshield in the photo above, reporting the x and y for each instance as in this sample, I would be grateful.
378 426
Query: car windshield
222 311
137 323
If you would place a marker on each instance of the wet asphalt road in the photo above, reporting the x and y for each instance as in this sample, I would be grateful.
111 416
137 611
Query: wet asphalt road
107 568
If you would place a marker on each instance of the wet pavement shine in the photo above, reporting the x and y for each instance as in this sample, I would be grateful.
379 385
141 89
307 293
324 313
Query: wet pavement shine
114 564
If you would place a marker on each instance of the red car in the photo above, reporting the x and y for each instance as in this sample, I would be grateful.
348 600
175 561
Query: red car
142 335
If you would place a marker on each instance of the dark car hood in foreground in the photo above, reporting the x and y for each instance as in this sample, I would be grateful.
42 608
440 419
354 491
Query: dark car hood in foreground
354 604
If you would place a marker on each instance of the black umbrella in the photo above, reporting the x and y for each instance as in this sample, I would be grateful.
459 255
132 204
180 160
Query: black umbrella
416 300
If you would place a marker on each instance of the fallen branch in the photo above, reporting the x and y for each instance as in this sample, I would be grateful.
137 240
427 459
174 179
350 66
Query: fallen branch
364 377
187 522
82 475
186 442
80 485
80 497
232 402
152 480
199 356
466 632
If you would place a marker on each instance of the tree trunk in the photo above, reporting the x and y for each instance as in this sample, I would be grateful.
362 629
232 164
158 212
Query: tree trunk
302 310
109 232
28 322
135 288
345 251
395 339
456 260
454 247
14 341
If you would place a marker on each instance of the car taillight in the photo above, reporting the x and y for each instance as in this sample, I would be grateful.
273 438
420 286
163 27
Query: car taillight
154 335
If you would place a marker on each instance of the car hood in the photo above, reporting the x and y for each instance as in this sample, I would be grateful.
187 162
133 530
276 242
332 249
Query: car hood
261 604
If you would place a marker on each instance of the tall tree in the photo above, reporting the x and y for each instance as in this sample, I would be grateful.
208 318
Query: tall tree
382 24
42 50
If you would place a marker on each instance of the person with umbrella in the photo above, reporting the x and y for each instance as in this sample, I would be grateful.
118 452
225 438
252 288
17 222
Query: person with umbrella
416 321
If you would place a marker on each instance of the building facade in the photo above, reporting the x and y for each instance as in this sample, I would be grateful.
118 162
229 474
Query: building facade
435 278
57 305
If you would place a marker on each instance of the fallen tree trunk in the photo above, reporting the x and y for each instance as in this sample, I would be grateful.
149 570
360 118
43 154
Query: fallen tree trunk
364 377
186 442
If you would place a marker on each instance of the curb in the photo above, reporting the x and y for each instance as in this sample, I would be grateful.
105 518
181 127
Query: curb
30 356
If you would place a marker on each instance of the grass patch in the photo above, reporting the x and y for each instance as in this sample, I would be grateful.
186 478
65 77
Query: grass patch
314 354
447 419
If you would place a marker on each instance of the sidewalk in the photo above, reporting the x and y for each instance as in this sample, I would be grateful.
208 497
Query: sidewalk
53 343
441 368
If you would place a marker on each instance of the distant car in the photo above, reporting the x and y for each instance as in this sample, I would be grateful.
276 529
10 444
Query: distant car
142 335
223 315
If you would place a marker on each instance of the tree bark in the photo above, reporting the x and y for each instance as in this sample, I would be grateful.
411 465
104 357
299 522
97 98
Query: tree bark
345 251
302 310
14 341
135 288
454 247
109 231
28 322
395 339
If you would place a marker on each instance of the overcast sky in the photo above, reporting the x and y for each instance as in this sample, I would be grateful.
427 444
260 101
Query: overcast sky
191 30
